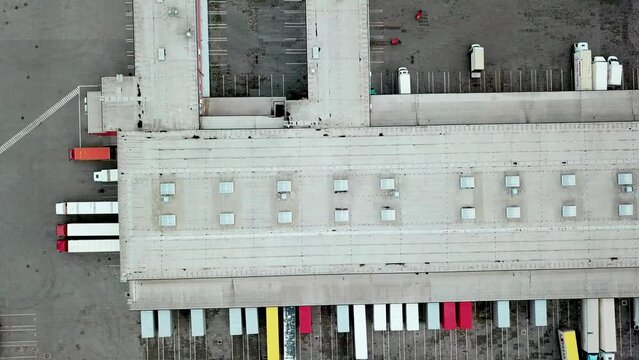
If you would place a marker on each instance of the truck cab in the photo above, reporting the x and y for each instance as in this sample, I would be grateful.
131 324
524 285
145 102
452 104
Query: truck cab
580 46
615 72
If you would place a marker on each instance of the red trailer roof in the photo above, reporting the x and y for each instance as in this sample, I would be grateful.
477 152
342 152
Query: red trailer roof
465 310
63 245
449 318
305 319
91 153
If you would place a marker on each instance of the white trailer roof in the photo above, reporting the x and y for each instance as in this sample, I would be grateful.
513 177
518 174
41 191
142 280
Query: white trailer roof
165 323
94 245
412 317
432 316
538 312
380 319
92 229
198 322
343 319
396 317
235 321
250 319
147 324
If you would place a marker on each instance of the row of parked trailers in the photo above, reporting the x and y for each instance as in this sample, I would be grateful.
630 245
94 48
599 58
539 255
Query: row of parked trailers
283 324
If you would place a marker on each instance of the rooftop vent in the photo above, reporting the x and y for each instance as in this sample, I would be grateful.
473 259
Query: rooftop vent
569 211
227 218
388 214
341 215
284 217
226 187
568 180
466 182
387 184
467 213
513 212
626 210
167 220
340 185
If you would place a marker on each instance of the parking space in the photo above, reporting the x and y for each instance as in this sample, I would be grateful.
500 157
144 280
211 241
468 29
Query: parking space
258 48
527 43
484 341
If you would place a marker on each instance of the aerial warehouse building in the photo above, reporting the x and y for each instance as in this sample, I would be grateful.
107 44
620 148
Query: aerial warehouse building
245 206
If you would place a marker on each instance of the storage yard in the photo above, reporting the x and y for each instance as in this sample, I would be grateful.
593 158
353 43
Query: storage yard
211 180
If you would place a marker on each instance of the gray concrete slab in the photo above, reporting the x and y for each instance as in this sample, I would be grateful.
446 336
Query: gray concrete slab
71 306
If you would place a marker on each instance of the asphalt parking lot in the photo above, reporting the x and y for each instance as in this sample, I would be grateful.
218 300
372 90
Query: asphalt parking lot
527 43
258 48
484 341
56 306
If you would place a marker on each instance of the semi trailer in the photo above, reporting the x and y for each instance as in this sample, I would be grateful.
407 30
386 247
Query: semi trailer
582 66
88 245
87 229
93 153
86 208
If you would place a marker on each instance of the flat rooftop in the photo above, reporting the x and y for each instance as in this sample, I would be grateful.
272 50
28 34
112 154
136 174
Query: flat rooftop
166 64
337 40
427 233
512 108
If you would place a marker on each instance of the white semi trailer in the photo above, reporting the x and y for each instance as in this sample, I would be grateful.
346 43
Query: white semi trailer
607 329
590 328
599 73
582 66
86 208
89 245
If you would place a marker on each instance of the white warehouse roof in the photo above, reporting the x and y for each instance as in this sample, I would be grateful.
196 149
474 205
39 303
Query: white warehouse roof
427 234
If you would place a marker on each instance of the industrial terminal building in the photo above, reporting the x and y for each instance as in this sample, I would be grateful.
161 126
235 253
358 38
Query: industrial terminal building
348 198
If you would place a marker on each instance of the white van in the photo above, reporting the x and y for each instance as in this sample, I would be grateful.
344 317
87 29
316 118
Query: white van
403 79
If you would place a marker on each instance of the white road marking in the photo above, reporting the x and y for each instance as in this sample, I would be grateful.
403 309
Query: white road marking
39 120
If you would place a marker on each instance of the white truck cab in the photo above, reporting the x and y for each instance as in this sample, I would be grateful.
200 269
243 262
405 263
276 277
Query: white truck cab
615 72
580 46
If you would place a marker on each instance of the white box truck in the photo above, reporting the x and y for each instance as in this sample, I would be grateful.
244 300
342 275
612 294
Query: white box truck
615 71
403 79
607 329
590 328
107 175
599 73
582 66
476 61
87 208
